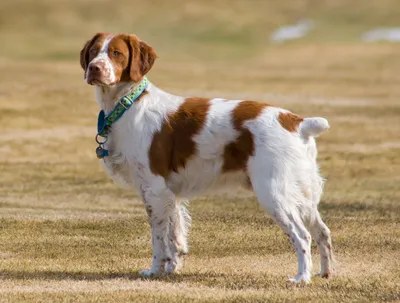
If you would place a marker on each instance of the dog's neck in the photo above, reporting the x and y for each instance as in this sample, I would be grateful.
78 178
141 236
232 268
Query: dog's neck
108 96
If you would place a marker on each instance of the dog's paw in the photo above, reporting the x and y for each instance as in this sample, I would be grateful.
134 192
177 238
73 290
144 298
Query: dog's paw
171 268
148 273
174 266
300 278
325 275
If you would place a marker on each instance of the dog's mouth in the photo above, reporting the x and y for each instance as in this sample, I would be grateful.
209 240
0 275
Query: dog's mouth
96 82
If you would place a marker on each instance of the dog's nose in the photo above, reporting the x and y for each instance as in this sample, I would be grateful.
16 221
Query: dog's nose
94 68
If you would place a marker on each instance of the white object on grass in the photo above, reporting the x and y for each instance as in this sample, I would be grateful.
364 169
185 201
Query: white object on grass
290 32
382 34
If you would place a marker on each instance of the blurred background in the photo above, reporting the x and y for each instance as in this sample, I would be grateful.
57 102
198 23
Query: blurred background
61 216
216 44
338 59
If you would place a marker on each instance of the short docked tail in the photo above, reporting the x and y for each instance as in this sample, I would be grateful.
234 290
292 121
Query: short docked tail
313 127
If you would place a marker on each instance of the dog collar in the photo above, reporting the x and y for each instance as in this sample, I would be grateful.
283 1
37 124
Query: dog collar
104 122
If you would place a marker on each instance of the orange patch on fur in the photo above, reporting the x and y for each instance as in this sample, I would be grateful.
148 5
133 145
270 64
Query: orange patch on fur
238 152
96 42
120 44
173 145
289 121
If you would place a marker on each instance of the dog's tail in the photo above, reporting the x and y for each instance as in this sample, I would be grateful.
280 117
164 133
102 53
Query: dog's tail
313 127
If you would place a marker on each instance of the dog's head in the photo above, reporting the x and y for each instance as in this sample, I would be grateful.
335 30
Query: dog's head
108 59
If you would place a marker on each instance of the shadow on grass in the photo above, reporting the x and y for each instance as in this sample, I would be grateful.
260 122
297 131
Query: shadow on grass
377 208
238 281
99 276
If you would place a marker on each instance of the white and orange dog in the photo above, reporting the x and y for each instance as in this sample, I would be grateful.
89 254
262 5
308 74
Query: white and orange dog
171 148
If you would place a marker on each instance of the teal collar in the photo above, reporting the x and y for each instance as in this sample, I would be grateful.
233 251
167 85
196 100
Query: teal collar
104 122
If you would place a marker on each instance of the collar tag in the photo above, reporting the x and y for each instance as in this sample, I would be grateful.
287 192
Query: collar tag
101 152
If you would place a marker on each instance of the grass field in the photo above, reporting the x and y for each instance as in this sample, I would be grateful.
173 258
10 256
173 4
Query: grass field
68 234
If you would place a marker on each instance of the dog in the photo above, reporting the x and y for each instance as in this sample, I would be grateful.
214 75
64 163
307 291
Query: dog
170 148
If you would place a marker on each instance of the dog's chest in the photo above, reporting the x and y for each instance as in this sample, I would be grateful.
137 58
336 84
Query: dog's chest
118 169
122 164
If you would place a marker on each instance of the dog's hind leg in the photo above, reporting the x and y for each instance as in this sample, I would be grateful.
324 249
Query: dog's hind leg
319 230
300 238
180 222
280 199
322 236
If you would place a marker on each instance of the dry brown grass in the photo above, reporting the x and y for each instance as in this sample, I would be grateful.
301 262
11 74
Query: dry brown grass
69 234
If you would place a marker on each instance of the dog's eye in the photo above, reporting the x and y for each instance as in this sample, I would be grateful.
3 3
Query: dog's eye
93 51
116 53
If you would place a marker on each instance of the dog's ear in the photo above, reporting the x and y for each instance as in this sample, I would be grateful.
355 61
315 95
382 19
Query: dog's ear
147 57
85 50
141 58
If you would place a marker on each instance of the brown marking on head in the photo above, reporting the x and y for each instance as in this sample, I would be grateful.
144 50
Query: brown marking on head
238 152
119 53
173 145
131 58
140 55
91 48
289 121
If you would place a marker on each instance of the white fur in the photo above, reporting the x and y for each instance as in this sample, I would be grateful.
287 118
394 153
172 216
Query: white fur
313 127
283 173
103 59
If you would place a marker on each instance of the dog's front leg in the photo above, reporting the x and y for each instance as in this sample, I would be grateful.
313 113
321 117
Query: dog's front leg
179 226
158 202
